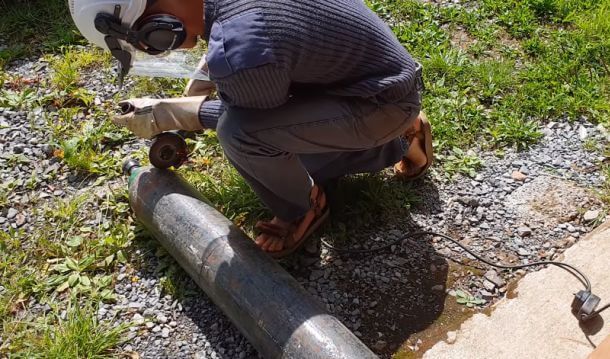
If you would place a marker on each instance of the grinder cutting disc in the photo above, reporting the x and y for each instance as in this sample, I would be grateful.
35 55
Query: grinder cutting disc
168 150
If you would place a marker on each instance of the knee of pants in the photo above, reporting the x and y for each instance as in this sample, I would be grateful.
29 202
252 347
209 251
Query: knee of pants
235 141
229 132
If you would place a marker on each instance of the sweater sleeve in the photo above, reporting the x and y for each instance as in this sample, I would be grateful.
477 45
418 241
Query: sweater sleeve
210 112
262 87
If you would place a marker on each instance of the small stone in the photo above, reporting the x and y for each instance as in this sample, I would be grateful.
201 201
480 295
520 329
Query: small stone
451 337
487 295
373 304
488 285
523 252
518 176
138 319
161 319
582 133
524 231
380 345
590 216
156 329
18 149
438 288
165 333
20 220
469 201
136 305
493 276
12 212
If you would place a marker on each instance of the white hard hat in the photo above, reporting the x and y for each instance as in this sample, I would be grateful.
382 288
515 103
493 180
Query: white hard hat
84 13
114 25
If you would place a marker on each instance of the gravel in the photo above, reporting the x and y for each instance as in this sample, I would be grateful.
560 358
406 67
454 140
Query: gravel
590 216
521 207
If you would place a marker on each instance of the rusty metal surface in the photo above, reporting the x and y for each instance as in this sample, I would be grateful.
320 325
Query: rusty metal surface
268 306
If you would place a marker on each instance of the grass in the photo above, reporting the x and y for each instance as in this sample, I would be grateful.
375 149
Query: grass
79 335
495 73
69 265
68 66
220 183
32 27
498 98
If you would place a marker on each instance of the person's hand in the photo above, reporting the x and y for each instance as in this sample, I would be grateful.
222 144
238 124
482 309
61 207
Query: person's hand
147 117
200 87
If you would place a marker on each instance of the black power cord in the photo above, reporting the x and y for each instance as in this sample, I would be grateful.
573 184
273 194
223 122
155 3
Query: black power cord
583 306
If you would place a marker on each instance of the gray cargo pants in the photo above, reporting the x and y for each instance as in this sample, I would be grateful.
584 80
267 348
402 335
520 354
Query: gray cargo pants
282 152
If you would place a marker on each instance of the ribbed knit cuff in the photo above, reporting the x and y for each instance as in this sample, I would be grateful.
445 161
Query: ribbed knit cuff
209 112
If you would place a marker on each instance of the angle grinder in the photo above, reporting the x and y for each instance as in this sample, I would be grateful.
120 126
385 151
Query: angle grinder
168 149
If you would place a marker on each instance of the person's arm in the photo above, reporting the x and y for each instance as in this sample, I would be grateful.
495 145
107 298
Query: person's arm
210 112
200 87
244 66
262 87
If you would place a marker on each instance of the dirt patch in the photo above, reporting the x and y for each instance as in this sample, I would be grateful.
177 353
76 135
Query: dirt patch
462 39
550 201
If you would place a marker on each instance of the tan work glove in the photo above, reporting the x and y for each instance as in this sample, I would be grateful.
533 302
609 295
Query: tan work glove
200 87
147 117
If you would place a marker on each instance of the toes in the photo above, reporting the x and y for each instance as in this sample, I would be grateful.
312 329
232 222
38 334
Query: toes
268 243
278 245
261 240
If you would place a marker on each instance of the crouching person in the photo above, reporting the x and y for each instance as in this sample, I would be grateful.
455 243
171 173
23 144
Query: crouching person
308 92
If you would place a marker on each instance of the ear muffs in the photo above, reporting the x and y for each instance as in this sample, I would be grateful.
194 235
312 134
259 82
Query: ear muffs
154 34
159 33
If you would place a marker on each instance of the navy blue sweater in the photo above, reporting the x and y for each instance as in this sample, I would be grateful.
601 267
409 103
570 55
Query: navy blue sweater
261 52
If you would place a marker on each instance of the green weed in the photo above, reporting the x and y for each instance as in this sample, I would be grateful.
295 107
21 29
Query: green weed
6 188
85 145
162 87
18 100
79 335
468 299
68 66
458 161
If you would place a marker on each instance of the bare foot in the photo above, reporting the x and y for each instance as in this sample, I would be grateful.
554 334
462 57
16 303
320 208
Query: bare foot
415 157
270 243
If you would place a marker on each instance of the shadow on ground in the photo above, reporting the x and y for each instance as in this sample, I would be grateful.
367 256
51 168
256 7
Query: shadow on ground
385 296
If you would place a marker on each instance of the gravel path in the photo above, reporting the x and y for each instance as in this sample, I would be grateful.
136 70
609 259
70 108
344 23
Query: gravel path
521 207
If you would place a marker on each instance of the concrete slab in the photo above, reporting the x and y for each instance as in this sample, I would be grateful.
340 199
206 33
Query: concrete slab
538 323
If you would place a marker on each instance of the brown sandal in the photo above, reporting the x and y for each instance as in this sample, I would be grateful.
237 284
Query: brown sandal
299 231
402 168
